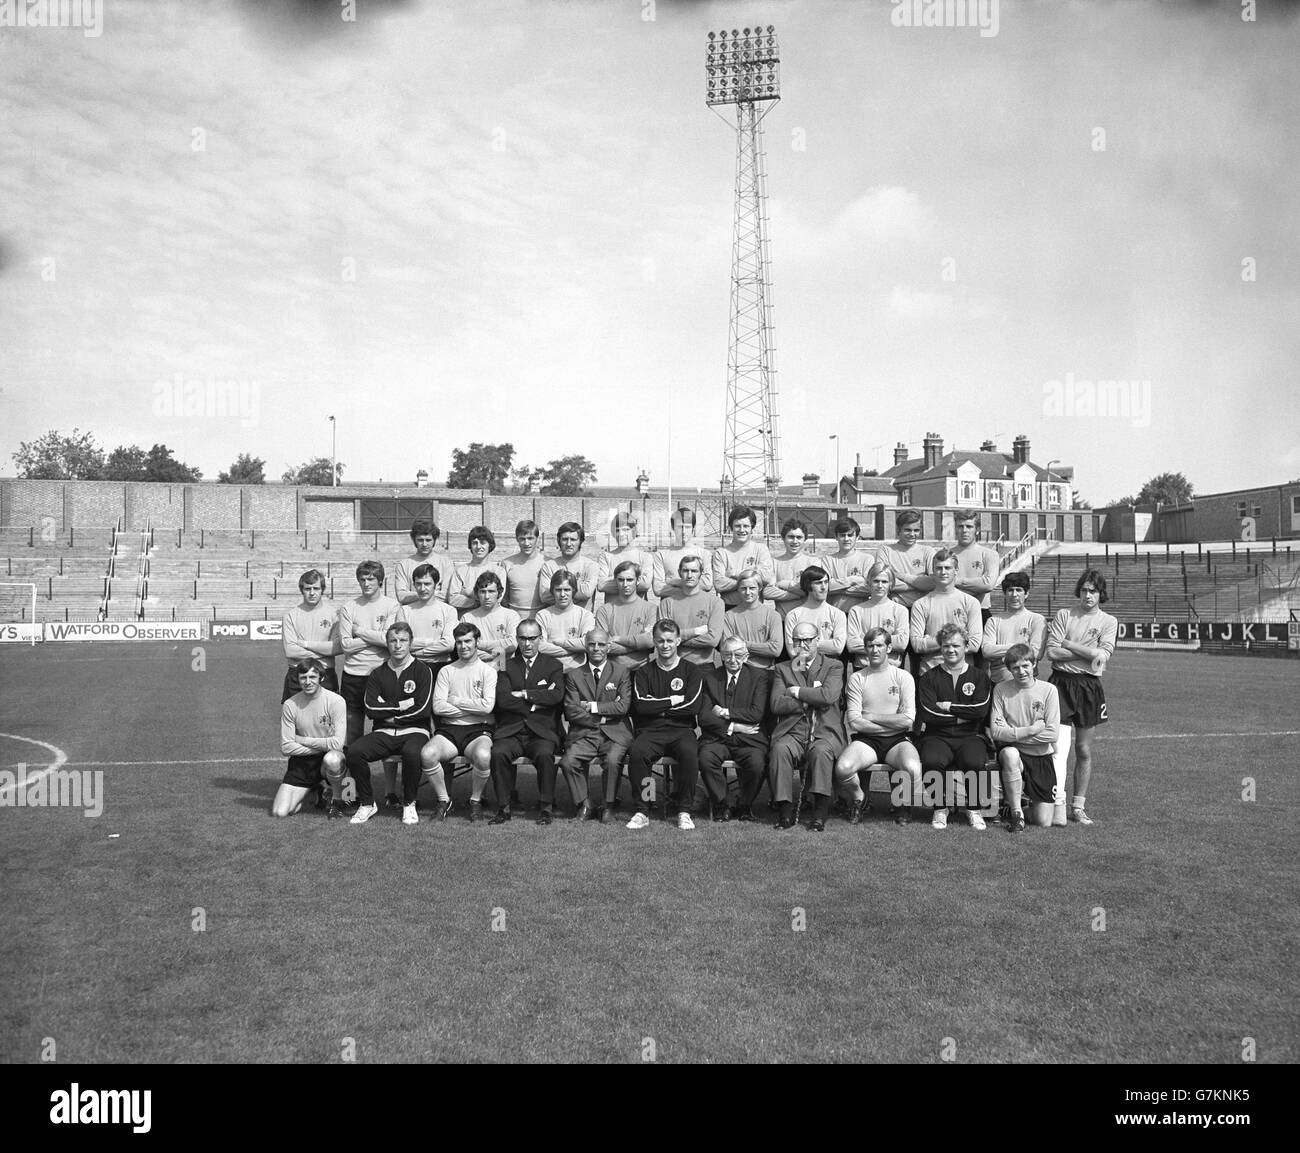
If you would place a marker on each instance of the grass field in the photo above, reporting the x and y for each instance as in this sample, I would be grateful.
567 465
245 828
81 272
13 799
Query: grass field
979 946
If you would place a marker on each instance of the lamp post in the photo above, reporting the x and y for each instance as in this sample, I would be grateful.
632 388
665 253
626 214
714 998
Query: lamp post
835 436
1049 481
334 453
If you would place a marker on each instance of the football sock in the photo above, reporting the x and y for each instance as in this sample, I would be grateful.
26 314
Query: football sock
1077 802
479 778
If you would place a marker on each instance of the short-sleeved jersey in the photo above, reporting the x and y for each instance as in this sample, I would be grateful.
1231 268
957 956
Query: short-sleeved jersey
460 587
699 609
913 563
832 625
375 616
761 628
431 623
936 609
635 619
317 625
521 583
977 564
888 690
888 615
843 568
1006 629
571 625
321 717
499 625
1015 709
1095 630
404 578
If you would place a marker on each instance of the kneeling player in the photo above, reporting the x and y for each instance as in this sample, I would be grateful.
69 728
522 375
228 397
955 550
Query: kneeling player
881 709
463 702
312 724
1026 718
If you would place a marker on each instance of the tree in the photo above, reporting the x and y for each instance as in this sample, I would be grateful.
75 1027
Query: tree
315 471
127 462
160 465
58 457
1076 501
568 476
1167 488
247 469
481 466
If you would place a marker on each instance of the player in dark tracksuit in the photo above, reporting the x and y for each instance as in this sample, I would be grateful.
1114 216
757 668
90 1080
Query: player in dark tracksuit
667 695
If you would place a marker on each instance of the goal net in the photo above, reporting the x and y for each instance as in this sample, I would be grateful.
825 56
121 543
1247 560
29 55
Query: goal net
18 611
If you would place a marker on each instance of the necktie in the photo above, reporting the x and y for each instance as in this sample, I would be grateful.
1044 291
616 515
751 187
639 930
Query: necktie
731 684
596 674
528 669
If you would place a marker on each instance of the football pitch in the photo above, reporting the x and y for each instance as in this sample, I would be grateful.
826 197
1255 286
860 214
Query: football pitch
183 923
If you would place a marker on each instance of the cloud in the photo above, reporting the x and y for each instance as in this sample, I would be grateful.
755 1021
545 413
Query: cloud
886 214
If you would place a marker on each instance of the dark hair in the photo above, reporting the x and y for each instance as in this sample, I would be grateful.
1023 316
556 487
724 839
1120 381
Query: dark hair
488 578
665 625
683 516
948 630
794 523
699 560
424 527
307 664
1093 577
874 631
1015 580
424 570
526 526
571 526
811 575
907 516
742 512
312 576
399 627
628 564
479 532
466 629
371 566
562 576
1015 654
846 524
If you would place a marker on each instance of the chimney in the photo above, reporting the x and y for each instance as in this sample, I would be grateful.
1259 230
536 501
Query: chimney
1020 449
989 446
933 449
422 478
643 483
811 484
858 471
534 483
900 454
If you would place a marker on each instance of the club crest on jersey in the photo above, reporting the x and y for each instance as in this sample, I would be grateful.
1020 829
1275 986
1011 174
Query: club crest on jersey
959 615
968 689
676 684
408 686
701 614
893 690
1037 708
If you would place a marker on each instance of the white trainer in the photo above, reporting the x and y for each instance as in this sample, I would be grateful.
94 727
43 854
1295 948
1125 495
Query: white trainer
409 815
684 821
363 814
638 821
940 819
976 820
1080 817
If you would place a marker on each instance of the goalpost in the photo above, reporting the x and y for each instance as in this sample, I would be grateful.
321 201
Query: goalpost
18 606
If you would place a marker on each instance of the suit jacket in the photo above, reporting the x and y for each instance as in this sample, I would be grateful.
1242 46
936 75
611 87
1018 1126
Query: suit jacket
538 714
748 705
823 701
613 697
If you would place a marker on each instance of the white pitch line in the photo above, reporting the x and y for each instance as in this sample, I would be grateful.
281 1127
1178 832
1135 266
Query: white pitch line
60 759
1198 736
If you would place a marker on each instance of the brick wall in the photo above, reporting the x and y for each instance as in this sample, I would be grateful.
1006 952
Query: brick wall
27 501
272 507
214 506
92 504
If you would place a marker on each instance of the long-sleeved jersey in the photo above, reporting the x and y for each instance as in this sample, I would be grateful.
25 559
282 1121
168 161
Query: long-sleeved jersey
969 696
668 560
584 568
1003 630
1015 709
612 558
310 726
629 625
498 628
936 609
563 633
728 563
376 616
1096 630
888 615
465 694
831 623
760 628
521 583
317 625
699 610
460 586
889 691
431 623
846 569
400 701
787 568
977 565
404 581
653 690
912 563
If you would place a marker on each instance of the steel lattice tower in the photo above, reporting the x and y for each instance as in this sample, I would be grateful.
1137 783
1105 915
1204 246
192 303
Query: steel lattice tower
743 69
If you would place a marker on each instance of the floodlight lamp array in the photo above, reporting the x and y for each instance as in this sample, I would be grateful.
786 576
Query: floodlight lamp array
742 66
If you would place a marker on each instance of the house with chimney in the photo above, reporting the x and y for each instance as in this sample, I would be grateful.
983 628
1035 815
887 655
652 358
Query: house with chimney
984 479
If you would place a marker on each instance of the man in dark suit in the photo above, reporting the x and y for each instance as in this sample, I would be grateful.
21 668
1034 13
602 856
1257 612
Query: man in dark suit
530 690
596 700
731 726
805 698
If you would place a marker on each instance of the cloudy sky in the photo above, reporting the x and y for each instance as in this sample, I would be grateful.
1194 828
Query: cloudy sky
511 220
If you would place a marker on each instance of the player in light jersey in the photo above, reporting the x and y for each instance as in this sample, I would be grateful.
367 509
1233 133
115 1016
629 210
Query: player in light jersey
626 618
564 624
310 631
816 610
848 566
909 559
362 624
1015 626
944 606
584 569
880 709
1025 721
784 591
464 577
755 622
495 622
624 547
1080 642
738 554
312 722
424 535
977 565
668 561
463 701
522 569
697 614
879 610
